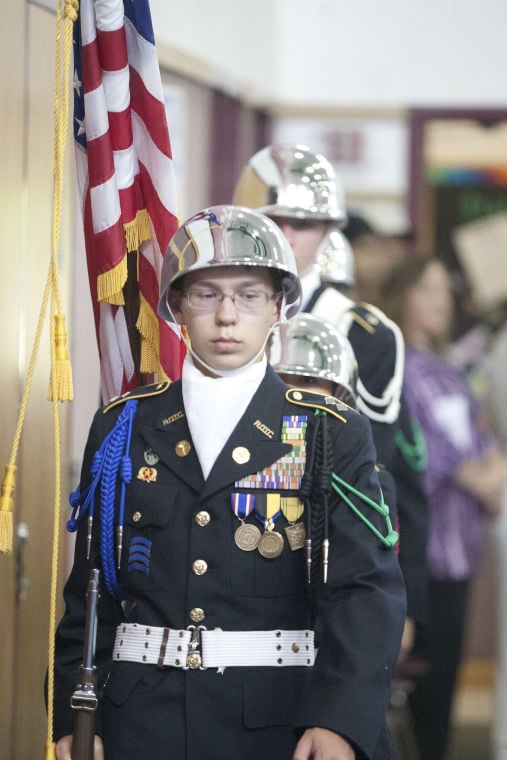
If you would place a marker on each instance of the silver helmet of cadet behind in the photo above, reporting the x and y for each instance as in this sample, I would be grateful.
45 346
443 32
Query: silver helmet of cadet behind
229 236
312 347
291 181
335 260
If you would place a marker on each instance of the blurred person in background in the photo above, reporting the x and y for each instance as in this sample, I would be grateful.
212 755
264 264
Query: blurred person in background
497 395
464 481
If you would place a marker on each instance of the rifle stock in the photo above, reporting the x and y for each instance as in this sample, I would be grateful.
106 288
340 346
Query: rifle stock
84 699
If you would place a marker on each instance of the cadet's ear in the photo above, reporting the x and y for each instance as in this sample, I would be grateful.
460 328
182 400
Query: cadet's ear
174 300
277 308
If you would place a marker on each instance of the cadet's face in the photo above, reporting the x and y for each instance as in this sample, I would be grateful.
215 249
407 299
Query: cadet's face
226 338
304 236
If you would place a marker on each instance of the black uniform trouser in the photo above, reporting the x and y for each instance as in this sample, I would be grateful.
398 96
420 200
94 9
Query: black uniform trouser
439 644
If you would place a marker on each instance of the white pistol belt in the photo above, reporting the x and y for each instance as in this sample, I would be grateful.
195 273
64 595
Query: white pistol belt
198 648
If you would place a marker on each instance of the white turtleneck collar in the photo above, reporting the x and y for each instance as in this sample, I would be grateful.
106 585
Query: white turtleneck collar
310 281
214 406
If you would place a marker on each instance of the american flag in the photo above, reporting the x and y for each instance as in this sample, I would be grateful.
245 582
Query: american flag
126 184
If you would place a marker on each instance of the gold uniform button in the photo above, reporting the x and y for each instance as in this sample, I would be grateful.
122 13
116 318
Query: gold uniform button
136 516
199 567
241 455
182 448
297 395
196 615
202 518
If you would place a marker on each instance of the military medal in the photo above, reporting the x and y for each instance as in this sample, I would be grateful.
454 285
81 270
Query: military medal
267 511
246 536
292 509
271 543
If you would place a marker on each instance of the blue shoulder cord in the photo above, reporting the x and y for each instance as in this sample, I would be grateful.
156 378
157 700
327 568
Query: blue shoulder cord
111 459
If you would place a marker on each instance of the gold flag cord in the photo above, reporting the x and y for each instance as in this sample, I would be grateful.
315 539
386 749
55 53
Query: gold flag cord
60 386
61 376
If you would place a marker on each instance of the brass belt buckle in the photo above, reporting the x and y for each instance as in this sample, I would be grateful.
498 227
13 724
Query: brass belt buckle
194 658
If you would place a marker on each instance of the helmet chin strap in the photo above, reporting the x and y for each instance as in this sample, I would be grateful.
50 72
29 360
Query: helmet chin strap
253 360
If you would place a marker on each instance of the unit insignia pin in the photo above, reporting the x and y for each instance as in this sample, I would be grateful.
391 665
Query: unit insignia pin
148 474
150 457
241 455
182 448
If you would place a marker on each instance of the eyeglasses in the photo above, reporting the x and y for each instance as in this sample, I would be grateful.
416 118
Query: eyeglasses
246 300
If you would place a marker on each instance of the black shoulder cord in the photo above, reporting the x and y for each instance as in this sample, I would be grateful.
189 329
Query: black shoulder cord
314 492
317 482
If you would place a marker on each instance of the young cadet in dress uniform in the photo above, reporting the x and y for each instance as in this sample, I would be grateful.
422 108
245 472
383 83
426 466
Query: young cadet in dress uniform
223 540
311 354
298 189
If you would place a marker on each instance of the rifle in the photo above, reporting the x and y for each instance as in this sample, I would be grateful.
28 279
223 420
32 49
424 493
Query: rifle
84 699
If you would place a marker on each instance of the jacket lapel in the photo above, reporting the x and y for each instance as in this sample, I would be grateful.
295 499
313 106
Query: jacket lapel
170 438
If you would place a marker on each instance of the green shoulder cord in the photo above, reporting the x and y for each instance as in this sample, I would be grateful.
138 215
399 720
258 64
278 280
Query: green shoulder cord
391 539
414 454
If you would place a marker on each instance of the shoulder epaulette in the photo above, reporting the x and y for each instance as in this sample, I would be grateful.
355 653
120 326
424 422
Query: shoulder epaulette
144 391
312 400
364 316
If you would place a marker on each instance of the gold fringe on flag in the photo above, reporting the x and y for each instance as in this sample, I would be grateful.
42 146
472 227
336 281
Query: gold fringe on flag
138 230
61 362
110 284
147 324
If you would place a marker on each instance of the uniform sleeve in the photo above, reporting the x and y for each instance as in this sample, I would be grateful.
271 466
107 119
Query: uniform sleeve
380 358
408 468
70 631
360 611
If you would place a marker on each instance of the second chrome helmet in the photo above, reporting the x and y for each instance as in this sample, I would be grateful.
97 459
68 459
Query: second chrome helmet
312 347
291 181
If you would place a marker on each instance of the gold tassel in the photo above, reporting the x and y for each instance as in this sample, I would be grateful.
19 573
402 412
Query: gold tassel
110 284
6 504
147 325
137 231
61 363
49 754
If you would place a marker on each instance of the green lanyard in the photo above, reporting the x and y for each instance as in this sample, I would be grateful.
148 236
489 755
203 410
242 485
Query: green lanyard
414 454
391 539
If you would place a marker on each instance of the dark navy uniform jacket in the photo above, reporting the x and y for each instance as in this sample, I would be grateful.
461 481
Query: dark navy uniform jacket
244 712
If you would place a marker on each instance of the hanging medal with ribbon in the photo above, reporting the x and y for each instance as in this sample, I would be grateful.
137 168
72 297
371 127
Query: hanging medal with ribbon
267 511
247 535
292 509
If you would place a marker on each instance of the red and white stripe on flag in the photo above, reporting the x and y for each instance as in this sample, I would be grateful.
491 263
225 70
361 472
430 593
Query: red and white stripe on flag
125 176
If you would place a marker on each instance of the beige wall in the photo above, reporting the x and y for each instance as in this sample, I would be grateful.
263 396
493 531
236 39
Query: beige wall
26 135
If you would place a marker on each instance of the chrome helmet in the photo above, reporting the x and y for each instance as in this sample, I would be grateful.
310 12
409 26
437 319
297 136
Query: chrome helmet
291 181
225 236
335 259
312 347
